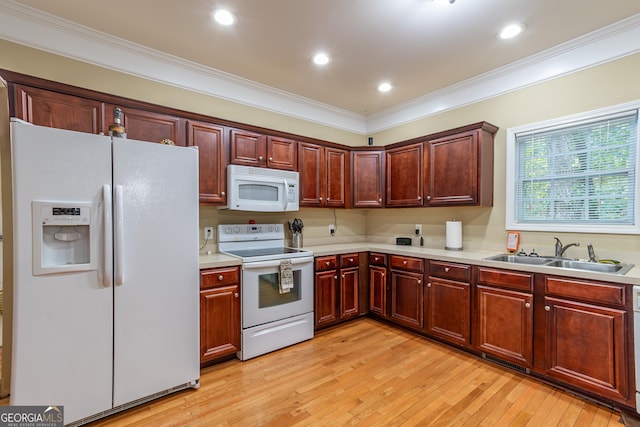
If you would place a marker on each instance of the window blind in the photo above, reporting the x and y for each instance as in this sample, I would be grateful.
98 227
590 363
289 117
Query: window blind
579 173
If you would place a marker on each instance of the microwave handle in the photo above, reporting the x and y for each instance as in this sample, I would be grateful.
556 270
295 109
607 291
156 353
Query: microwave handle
286 194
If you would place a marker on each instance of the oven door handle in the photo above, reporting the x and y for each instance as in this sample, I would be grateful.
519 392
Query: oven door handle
275 263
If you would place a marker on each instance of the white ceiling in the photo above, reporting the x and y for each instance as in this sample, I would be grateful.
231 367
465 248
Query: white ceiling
419 46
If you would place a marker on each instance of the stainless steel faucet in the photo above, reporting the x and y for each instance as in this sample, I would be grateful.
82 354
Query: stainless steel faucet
561 249
592 254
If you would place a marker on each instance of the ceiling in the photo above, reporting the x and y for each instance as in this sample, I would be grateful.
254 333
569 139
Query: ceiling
419 46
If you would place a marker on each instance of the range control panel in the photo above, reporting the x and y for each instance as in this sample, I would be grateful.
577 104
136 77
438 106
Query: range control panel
248 232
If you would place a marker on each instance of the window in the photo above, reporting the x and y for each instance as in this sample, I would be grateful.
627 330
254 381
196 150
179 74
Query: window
577 173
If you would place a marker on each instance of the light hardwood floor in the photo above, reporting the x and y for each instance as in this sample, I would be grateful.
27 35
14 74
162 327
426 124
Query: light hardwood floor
369 374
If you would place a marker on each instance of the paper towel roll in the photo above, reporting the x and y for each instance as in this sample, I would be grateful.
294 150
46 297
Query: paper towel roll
453 239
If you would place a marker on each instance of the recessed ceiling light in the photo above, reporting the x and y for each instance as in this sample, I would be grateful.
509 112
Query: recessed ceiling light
444 1
321 59
224 17
511 31
384 87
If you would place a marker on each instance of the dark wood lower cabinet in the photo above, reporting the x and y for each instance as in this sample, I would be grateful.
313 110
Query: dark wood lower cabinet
349 286
326 298
586 347
448 310
505 324
219 313
378 290
406 298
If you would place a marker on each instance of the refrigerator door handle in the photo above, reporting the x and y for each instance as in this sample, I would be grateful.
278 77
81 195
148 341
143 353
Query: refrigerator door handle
118 236
108 236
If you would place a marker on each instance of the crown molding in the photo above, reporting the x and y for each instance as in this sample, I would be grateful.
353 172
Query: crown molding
27 26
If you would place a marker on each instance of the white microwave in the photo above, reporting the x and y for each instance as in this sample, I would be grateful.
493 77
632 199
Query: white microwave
261 189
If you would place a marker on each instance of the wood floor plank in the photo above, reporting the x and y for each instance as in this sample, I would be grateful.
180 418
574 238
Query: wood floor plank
365 373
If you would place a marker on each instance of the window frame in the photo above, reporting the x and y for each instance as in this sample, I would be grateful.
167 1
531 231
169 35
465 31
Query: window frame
567 121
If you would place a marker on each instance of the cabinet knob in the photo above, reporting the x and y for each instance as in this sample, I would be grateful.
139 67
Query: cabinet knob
236 295
404 262
547 308
328 263
419 198
335 277
380 200
259 157
271 159
221 277
350 259
528 304
328 198
428 197
343 276
376 258
320 198
446 269
429 285
223 193
419 281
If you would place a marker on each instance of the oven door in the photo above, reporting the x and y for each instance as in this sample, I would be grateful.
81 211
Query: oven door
262 301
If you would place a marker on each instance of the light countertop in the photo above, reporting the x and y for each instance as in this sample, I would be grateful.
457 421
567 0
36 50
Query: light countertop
475 257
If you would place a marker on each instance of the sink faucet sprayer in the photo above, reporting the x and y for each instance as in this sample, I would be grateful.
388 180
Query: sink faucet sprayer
561 249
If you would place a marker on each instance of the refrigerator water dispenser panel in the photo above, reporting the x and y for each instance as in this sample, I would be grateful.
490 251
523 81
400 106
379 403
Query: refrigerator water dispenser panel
63 237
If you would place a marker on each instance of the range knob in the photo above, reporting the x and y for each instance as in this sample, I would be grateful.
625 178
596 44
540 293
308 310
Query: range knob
236 229
270 228
227 230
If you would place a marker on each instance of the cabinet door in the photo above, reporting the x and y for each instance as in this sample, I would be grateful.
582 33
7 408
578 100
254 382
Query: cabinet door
282 153
219 322
57 110
448 310
451 176
367 179
505 324
349 285
146 125
406 298
404 176
326 305
586 346
311 167
335 177
212 154
247 148
378 290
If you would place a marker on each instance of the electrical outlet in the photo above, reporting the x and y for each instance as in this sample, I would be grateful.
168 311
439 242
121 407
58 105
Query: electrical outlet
208 233
418 229
332 229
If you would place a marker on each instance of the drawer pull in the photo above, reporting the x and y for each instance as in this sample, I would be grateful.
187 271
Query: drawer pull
376 259
350 259
528 304
446 269
405 262
328 263
221 277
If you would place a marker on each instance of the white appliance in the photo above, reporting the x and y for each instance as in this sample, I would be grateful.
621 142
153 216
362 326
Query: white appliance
636 339
105 271
261 189
271 319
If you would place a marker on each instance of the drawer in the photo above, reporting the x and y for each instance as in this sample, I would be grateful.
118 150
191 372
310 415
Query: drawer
219 277
407 263
602 293
451 271
505 279
377 259
329 262
349 260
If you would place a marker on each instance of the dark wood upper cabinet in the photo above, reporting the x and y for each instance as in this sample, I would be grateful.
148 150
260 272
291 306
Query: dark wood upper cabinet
57 110
212 154
458 168
367 178
404 176
282 153
146 125
254 149
323 172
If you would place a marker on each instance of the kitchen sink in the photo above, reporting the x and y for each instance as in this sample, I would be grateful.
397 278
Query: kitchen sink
570 263
592 266
519 259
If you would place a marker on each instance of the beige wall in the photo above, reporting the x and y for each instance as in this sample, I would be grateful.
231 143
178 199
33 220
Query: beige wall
608 84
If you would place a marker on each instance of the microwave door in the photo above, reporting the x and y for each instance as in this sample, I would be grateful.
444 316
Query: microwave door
267 194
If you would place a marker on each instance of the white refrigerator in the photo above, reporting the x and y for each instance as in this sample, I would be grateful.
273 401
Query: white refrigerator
105 271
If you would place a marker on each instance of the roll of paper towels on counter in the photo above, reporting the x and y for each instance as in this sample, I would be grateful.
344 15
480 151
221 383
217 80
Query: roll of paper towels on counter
453 238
